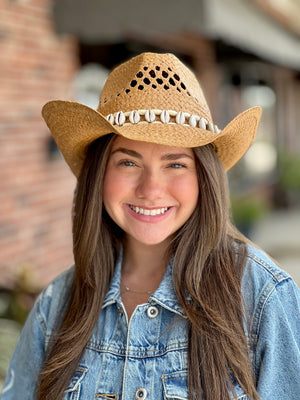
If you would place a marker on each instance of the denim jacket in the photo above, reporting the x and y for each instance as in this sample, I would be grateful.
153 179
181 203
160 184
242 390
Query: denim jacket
147 357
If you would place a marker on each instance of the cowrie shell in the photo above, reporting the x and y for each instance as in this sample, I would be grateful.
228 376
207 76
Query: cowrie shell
165 116
134 117
180 118
192 121
110 118
217 129
120 118
202 123
211 127
150 116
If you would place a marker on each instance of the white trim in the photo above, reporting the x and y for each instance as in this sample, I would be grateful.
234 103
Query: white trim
133 117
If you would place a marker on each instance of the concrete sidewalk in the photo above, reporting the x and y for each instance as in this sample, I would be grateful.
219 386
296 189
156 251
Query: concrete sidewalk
279 235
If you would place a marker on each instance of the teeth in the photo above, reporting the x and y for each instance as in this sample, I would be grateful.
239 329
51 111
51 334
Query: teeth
157 211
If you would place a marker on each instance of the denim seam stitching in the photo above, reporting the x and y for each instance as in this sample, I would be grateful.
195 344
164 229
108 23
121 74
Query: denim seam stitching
41 319
278 276
258 315
137 354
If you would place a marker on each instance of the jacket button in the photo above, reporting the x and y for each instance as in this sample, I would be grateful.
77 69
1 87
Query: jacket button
152 312
140 394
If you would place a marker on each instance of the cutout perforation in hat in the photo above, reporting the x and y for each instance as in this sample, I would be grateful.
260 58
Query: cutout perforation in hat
153 77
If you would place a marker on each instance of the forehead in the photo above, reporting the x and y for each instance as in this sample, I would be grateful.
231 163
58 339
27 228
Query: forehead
145 147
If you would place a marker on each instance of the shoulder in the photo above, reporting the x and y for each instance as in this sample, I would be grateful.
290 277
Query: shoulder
53 299
267 288
60 284
262 275
261 268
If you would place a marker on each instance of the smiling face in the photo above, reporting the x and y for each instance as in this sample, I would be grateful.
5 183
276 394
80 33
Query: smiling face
150 190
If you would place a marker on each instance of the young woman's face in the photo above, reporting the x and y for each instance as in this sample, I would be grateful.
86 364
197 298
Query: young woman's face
150 190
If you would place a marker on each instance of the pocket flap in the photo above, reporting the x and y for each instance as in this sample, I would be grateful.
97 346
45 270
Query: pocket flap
76 379
175 385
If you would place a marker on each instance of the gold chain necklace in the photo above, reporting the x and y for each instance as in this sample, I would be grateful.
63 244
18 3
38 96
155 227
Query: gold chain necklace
127 289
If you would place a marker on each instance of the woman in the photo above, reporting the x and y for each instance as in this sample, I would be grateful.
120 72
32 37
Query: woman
166 300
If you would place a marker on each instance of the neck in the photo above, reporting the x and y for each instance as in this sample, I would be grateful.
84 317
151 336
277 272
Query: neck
142 271
144 259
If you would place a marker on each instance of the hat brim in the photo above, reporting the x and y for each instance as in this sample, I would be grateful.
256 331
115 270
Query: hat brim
75 126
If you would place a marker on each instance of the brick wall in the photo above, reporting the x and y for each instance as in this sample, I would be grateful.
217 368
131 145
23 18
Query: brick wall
35 189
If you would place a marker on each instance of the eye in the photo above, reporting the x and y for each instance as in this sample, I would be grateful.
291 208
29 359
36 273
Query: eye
177 165
126 163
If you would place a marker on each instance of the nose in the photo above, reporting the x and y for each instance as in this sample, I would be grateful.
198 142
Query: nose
150 185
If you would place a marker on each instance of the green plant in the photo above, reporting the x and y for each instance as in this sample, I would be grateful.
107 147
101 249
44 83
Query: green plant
247 210
289 170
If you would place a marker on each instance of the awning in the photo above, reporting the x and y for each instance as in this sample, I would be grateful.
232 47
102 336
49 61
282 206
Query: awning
245 26
236 22
112 20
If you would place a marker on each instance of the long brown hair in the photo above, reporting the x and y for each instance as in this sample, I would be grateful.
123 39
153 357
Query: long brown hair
209 257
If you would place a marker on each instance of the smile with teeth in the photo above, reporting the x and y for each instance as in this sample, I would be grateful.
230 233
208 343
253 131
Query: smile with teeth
145 211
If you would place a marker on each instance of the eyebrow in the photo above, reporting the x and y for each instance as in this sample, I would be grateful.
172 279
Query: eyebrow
165 157
128 152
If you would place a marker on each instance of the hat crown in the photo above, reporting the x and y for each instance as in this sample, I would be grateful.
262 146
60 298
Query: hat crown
153 81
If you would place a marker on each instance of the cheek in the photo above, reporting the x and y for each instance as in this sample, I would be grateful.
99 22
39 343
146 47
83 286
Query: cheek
187 191
115 186
110 187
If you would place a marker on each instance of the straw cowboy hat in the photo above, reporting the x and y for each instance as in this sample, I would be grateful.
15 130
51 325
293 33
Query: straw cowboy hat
152 98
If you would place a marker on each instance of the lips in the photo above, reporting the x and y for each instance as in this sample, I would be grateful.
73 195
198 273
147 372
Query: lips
147 211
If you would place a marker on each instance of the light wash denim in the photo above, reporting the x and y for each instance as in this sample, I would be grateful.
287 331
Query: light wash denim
147 358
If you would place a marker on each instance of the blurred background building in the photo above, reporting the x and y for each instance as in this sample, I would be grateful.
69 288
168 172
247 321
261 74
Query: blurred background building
245 53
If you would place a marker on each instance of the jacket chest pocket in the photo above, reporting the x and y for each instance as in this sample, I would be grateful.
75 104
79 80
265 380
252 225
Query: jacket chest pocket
175 386
73 390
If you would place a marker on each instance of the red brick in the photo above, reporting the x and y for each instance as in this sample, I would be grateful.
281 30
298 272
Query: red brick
35 192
